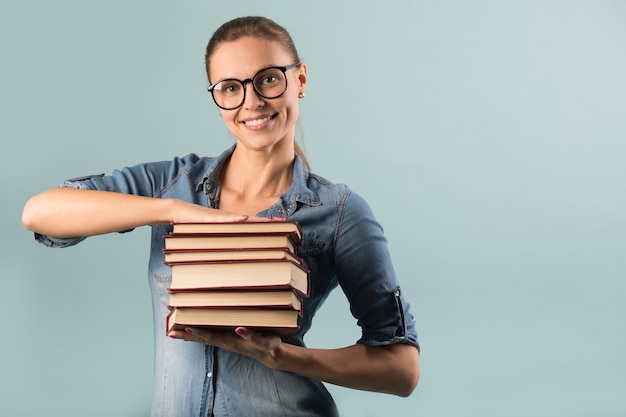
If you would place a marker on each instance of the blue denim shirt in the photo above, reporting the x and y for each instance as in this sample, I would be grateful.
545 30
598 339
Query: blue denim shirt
343 245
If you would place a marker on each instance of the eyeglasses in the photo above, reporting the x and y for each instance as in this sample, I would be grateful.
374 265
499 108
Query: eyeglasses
268 83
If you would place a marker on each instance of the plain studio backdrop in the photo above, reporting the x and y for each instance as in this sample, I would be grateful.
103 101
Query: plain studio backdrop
489 137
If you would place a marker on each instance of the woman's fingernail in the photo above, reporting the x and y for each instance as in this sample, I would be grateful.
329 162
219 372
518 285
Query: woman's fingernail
240 331
188 330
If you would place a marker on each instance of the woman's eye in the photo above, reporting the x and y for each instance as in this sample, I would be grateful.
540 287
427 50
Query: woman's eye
228 87
269 79
231 88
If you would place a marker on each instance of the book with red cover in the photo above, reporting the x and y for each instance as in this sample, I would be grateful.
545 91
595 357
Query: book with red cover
201 255
285 299
232 241
242 228
282 322
242 275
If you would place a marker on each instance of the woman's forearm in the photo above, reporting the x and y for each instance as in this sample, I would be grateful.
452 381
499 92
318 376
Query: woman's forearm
68 212
392 369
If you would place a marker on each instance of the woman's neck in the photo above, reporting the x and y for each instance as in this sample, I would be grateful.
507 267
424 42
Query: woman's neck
253 180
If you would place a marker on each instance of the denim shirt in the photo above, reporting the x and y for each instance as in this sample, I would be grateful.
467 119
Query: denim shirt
343 245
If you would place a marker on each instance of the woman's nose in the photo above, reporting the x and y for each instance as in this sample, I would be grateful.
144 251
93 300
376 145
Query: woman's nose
252 100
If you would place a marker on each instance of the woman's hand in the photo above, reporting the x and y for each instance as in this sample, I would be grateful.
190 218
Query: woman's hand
183 212
264 347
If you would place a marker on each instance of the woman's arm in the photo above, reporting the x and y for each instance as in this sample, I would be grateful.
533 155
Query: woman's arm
69 212
392 369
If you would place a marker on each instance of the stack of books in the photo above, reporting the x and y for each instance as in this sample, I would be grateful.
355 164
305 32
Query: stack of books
227 275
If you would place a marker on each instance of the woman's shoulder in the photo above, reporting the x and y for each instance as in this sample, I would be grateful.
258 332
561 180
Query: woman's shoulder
337 192
325 187
204 164
191 164
191 159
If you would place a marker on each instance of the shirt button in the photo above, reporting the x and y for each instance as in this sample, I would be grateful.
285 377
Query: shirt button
209 374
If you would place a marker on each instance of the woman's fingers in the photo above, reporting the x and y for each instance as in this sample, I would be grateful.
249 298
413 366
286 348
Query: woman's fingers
260 346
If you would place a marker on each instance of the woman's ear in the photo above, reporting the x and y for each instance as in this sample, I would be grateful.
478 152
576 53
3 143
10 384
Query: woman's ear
302 79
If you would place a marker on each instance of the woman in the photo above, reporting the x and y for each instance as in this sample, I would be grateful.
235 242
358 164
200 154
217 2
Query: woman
256 79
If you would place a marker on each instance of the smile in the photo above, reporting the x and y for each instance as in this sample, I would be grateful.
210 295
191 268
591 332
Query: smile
258 122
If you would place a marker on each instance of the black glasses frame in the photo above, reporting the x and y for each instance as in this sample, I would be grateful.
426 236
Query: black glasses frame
284 70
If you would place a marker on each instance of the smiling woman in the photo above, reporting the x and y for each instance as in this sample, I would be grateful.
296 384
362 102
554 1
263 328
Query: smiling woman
260 30
259 80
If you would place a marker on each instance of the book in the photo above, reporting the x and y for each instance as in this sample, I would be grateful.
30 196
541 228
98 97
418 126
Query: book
187 255
250 227
244 274
231 241
283 322
285 299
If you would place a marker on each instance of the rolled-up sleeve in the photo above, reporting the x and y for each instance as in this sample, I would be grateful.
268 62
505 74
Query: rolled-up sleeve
365 273
81 183
149 179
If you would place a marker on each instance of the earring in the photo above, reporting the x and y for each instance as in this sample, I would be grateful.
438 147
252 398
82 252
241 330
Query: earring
301 95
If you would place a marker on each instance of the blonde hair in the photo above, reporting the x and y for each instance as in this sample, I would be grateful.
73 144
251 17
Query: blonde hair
258 27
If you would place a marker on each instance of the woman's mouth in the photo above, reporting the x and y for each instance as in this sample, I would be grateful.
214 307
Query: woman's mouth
258 122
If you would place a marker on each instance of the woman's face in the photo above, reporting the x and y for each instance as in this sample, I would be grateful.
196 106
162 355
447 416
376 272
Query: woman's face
259 123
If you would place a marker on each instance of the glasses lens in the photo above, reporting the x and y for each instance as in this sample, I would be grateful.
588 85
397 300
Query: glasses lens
228 94
270 82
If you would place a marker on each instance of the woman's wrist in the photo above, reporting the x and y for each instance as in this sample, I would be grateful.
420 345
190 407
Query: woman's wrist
167 210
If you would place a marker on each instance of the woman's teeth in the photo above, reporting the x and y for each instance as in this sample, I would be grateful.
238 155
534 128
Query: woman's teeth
257 122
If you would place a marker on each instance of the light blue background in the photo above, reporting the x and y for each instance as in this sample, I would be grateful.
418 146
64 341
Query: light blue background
488 136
